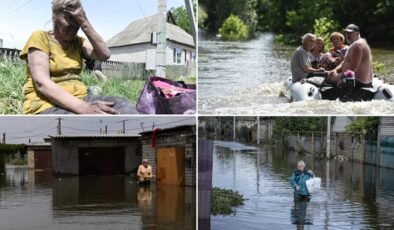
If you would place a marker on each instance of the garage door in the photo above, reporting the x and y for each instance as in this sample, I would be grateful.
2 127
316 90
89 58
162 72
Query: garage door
101 161
42 159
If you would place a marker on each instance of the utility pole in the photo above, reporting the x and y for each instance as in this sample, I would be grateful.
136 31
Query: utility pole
258 130
192 21
59 126
234 129
162 39
124 127
328 136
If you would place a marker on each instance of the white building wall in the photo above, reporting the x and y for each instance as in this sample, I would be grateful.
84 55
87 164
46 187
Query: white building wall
138 53
134 53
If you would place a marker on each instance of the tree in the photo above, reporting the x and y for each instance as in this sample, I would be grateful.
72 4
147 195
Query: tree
181 18
323 27
234 29
284 126
219 10
366 126
202 17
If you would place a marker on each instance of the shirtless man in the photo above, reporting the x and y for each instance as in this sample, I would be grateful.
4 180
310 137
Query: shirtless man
357 59
144 172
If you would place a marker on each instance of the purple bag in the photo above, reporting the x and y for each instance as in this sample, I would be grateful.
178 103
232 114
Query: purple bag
153 101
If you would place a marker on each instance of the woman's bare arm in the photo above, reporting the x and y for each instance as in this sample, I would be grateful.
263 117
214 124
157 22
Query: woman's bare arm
39 67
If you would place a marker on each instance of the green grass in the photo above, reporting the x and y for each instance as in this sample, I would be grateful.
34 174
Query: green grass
224 201
13 76
130 89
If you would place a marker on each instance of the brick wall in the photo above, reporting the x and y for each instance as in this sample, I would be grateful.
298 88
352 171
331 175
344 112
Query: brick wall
186 139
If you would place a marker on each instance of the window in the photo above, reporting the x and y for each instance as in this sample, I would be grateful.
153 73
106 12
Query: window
177 56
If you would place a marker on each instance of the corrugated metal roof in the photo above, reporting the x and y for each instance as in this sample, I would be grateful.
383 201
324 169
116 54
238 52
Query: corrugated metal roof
140 32
95 136
38 144
170 129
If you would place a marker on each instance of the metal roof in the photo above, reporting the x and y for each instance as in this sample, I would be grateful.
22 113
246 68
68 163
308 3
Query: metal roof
38 144
179 127
140 31
102 136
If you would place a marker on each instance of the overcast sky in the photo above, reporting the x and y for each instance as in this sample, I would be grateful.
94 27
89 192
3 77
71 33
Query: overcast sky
19 18
19 129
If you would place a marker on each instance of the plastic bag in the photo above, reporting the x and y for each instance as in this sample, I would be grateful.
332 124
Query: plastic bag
313 184
155 100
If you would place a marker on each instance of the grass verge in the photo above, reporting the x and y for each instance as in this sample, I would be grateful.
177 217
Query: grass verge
13 76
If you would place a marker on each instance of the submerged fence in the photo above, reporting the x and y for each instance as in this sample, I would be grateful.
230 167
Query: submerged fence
341 144
345 146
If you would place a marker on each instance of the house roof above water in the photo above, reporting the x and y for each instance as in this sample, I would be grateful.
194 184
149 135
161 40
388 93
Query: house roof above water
102 136
140 31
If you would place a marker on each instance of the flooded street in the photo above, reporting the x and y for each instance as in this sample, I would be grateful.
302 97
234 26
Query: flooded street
248 77
36 200
353 195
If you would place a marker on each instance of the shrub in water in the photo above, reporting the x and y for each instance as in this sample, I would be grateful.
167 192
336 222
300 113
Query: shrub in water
224 201
234 29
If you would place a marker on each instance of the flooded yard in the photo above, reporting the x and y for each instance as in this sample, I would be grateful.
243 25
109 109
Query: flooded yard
36 200
353 195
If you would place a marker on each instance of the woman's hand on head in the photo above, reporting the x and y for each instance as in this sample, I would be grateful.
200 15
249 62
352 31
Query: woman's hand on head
77 13
100 107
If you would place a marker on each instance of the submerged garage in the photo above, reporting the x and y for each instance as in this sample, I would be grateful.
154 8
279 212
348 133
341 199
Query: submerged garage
95 155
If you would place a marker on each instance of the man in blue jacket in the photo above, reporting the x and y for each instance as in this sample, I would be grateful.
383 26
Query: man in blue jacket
300 175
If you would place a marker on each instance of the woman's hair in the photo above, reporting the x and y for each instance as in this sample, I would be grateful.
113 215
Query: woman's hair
337 34
302 163
322 50
57 5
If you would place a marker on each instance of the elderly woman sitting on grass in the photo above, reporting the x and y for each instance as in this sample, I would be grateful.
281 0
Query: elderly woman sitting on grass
54 60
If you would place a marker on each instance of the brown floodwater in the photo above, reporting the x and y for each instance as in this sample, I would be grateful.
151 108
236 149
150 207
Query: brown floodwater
36 200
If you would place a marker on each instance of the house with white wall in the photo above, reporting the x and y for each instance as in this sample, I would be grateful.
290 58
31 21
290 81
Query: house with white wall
134 43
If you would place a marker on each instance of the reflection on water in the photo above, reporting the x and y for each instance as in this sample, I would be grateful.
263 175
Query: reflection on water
247 78
36 200
353 195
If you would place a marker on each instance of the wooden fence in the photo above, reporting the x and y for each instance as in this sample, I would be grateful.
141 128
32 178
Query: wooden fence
205 154
123 70
10 54
128 70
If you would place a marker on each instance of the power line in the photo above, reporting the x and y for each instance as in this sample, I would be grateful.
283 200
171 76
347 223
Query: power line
87 130
16 8
42 132
30 136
